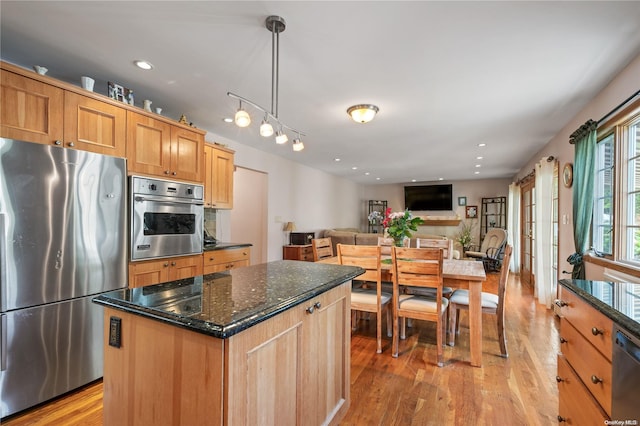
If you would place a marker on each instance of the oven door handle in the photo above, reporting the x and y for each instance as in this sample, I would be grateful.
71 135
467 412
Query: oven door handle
167 201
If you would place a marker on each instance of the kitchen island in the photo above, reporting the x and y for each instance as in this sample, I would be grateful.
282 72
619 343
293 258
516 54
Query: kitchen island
263 344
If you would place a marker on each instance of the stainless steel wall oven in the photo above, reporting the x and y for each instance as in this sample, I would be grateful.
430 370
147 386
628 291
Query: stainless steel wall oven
166 218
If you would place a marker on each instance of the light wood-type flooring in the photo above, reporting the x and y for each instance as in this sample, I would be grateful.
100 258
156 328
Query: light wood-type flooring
411 389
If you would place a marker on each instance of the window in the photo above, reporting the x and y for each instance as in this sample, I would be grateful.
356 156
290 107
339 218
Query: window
616 214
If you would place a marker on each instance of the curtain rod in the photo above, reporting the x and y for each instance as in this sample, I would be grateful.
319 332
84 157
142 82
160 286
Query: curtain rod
616 109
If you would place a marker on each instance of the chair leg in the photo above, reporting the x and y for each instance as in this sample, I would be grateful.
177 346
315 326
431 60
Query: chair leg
379 331
502 336
396 343
354 320
389 321
403 328
439 339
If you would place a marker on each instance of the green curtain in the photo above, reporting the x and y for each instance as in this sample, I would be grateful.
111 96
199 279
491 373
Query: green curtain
584 163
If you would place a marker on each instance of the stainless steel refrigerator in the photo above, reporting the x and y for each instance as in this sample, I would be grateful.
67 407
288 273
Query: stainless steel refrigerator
62 241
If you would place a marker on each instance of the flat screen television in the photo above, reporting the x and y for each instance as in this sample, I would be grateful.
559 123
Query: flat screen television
428 197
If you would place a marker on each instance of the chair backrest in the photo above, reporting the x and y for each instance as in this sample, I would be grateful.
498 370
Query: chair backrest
504 278
494 241
366 257
386 243
445 245
322 248
417 267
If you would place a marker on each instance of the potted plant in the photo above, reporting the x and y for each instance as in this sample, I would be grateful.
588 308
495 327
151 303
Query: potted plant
398 224
465 236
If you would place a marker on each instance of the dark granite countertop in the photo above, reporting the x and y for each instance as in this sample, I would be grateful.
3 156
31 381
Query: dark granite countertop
618 301
223 246
224 304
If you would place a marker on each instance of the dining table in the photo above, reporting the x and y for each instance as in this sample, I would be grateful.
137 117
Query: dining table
456 273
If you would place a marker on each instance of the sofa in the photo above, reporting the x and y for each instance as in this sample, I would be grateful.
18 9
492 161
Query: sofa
355 237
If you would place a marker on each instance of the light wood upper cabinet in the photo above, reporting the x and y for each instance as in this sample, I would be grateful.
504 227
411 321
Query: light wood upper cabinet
219 167
157 148
31 110
92 125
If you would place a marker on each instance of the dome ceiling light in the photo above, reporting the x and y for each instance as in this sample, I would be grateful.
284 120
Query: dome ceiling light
363 113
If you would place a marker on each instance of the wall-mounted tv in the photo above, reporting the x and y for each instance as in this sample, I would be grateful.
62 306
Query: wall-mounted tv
428 197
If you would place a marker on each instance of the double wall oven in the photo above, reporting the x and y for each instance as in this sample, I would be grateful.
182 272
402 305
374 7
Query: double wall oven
166 218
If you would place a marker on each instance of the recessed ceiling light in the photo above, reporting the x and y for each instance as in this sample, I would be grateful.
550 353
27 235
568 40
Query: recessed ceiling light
479 158
482 144
336 159
476 173
478 165
413 180
377 178
143 64
367 173
228 120
440 178
354 168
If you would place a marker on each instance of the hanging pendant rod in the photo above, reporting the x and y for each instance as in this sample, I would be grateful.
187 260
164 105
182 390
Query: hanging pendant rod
619 107
273 117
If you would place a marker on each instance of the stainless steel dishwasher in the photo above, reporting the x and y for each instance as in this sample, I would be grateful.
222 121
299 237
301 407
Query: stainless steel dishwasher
625 404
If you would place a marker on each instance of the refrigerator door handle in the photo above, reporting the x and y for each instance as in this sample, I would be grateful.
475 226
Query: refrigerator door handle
3 263
3 342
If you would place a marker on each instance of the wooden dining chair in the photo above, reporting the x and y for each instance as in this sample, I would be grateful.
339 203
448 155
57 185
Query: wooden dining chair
387 242
491 304
420 268
322 248
447 253
372 300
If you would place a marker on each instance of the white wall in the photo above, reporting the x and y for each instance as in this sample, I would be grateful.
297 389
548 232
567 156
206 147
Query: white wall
313 199
620 88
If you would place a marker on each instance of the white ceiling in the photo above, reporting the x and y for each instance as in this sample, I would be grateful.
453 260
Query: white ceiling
445 75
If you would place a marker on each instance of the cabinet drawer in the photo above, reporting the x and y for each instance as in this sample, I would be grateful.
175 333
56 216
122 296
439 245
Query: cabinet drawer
216 257
593 325
577 406
589 364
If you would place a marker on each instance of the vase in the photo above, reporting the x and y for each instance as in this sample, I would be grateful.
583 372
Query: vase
398 241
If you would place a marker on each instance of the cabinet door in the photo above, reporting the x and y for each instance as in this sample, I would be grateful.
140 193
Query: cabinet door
185 267
95 126
148 273
187 155
148 145
326 342
221 179
30 110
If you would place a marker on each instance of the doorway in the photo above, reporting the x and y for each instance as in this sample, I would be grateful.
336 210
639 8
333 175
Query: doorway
248 218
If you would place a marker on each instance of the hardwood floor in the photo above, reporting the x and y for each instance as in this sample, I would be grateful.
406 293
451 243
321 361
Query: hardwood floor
411 389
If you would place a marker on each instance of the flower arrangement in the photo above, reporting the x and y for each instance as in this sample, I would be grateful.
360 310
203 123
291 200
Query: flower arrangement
375 216
465 236
398 224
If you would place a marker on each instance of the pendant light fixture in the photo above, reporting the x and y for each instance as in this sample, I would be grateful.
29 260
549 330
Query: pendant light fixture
362 113
275 25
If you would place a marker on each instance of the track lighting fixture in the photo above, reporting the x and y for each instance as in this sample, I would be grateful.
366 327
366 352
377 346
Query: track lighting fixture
243 119
275 25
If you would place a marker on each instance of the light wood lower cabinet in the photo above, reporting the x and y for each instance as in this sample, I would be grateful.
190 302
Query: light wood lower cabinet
290 369
224 260
150 272
584 366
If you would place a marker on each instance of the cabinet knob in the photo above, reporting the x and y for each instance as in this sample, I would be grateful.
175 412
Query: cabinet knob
211 259
310 309
559 379
166 264
166 172
174 173
317 305
563 340
57 143
561 419
72 144
244 253
173 263
560 303
595 331
595 379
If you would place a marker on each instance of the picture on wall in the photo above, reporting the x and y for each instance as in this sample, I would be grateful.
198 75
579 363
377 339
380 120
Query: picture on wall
462 201
472 212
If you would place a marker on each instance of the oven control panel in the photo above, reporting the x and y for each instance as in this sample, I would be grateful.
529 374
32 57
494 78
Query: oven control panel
166 188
